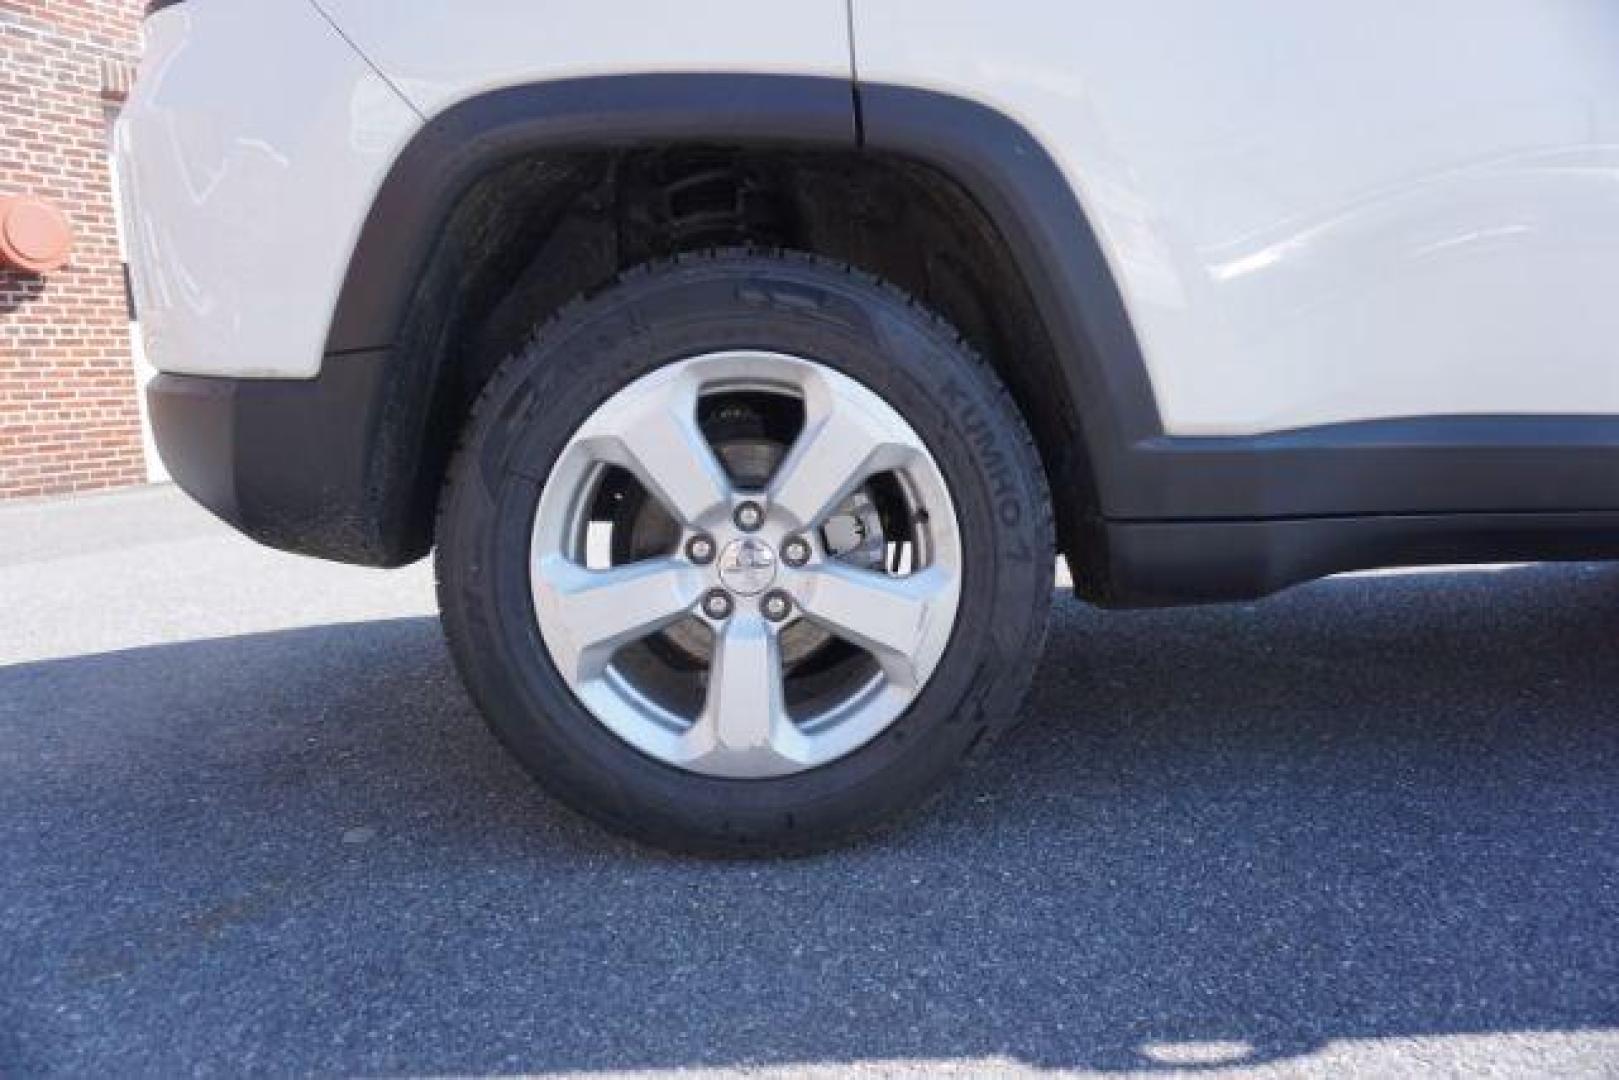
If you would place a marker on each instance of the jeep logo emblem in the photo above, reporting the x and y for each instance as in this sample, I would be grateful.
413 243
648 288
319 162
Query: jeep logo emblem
748 566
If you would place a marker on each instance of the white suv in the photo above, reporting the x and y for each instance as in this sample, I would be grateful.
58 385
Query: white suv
748 363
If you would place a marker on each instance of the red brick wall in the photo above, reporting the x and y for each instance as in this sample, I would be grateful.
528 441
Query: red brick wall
68 414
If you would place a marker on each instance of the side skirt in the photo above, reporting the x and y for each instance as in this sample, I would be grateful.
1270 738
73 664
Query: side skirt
1155 564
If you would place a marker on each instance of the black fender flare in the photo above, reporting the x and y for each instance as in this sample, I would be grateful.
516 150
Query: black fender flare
992 158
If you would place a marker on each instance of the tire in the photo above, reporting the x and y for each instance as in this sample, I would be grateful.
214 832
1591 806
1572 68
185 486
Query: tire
851 331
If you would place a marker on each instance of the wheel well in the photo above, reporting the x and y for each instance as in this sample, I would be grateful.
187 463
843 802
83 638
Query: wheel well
530 236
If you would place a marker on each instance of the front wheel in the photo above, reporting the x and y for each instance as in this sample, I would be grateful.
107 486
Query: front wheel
745 553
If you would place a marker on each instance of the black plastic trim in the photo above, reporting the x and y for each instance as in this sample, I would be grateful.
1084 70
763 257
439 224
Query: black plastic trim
1432 464
155 6
479 135
1023 191
292 463
1185 562
1138 472
329 466
296 465
995 160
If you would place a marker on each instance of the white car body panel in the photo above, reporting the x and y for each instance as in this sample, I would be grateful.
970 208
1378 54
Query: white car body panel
439 55
249 153
1312 220
1320 213
248 193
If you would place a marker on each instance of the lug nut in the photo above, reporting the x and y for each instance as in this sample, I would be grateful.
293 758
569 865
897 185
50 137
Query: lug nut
776 606
749 516
796 551
700 550
717 604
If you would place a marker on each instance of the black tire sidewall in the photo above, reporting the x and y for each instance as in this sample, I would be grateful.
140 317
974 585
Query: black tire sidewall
803 308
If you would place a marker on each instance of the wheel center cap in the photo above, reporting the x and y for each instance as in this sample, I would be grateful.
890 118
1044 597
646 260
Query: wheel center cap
747 566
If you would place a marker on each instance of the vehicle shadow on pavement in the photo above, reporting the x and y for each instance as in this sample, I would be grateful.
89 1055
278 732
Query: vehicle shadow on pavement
1367 808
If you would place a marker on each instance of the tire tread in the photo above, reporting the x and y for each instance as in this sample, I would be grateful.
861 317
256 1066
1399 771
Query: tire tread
993 720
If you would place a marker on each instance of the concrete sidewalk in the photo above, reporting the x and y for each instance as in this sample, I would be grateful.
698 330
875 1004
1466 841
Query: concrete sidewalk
147 566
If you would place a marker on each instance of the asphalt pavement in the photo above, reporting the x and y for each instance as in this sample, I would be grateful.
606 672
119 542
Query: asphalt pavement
250 824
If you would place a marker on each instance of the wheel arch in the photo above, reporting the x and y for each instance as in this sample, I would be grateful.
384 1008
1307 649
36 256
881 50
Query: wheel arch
430 222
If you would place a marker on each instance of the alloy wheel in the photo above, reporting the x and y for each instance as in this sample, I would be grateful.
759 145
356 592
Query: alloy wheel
745 564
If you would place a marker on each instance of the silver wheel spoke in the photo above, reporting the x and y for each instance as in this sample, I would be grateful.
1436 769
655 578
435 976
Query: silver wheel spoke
744 723
889 617
711 697
845 441
591 614
653 433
